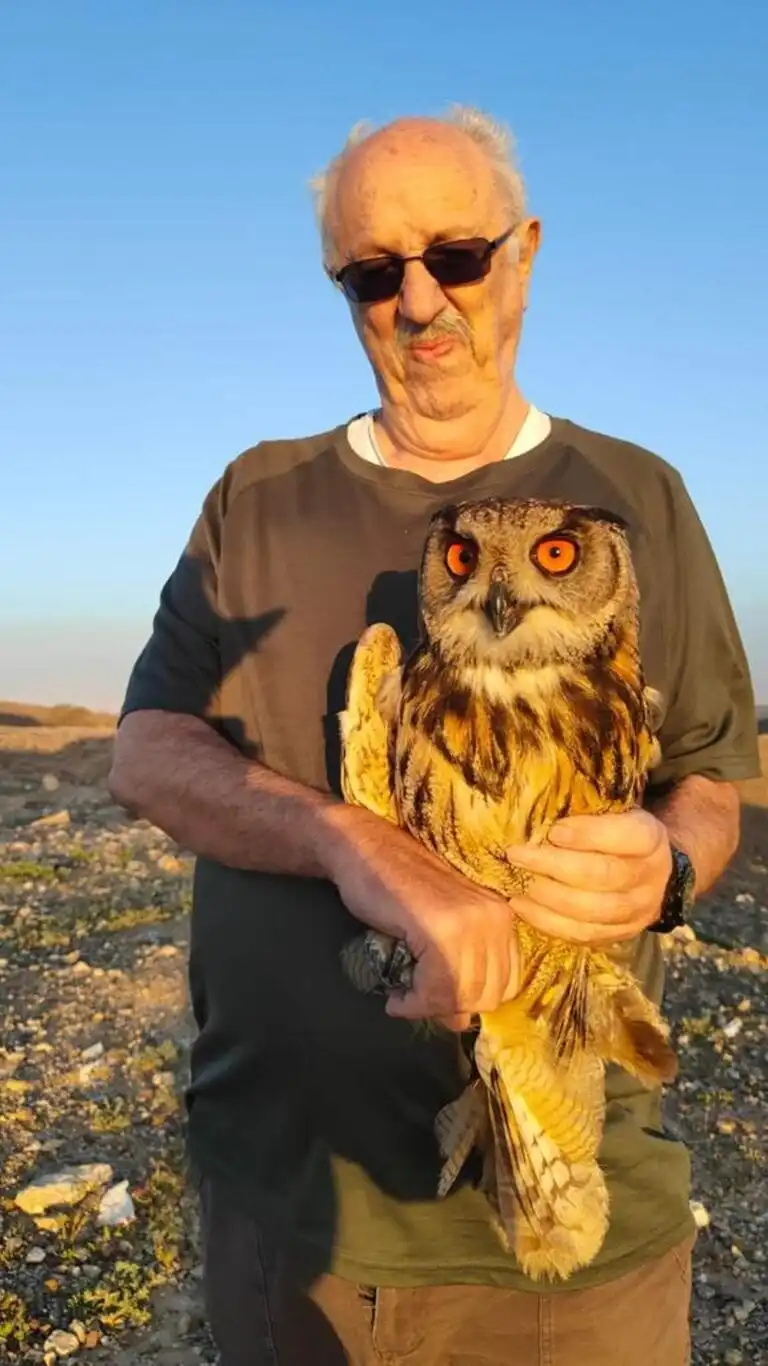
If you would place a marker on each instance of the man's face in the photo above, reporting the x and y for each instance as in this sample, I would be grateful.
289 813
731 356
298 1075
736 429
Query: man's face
436 351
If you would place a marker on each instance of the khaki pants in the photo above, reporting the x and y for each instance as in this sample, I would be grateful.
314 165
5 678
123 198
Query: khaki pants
261 1315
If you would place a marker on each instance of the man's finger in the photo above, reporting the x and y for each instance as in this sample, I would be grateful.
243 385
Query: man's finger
413 1006
572 931
589 907
625 833
575 868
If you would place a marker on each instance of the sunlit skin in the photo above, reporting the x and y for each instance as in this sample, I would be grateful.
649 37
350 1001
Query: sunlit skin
443 359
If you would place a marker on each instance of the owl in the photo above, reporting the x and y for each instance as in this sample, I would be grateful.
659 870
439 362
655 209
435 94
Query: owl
523 702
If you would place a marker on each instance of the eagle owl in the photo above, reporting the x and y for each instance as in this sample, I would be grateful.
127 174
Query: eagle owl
523 702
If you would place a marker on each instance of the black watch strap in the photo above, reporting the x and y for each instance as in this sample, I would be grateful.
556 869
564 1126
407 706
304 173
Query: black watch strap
679 894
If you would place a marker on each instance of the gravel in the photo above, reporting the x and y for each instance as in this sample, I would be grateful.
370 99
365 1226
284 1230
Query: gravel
95 1034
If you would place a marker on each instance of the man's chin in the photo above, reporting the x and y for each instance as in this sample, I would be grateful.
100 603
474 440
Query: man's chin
444 401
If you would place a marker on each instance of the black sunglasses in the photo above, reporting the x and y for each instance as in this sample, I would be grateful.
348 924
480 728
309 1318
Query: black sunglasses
450 263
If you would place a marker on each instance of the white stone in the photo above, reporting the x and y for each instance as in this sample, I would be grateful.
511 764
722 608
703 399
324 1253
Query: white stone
91 1054
35 1256
743 1311
116 1206
683 934
700 1214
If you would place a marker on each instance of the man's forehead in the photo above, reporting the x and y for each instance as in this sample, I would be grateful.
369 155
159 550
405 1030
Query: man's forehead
420 181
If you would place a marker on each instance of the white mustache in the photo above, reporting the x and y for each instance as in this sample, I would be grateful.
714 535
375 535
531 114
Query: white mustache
446 324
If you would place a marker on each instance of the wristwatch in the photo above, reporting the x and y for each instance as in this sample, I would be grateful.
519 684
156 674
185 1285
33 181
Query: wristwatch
679 895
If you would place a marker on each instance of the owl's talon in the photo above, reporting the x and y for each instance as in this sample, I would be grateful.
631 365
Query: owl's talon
400 969
377 963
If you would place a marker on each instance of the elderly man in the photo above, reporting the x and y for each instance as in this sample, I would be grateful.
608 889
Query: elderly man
311 1107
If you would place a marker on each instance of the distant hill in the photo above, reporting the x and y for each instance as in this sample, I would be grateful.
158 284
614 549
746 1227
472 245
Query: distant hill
64 714
29 717
28 714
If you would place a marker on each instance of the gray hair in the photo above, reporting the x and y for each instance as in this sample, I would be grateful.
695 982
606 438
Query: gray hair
495 139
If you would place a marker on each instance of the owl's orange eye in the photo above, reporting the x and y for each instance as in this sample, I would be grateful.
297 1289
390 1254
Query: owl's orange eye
555 554
461 557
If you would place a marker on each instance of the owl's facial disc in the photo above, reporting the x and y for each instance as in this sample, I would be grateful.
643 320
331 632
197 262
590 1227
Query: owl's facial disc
503 611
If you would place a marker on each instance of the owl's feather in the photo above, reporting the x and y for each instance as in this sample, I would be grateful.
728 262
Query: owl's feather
460 1127
482 740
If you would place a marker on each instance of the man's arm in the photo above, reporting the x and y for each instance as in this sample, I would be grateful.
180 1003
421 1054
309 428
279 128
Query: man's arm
177 772
703 818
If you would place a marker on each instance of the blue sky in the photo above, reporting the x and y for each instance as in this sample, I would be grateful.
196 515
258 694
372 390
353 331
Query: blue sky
162 304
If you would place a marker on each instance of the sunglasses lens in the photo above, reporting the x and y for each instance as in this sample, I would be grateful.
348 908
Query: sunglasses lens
458 263
450 263
369 282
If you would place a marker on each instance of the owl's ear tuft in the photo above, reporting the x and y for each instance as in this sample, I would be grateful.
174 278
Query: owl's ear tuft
445 516
606 516
578 515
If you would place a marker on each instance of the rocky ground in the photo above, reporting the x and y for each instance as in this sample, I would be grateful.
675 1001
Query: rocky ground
95 1033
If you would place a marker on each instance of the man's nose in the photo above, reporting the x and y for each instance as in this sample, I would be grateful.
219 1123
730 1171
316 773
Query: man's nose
421 298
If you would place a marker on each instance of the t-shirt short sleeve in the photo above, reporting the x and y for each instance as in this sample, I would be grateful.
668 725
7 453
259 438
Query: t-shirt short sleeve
710 726
179 669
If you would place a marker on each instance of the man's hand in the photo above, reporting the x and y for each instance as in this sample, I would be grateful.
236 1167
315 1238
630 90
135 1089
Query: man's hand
598 879
461 935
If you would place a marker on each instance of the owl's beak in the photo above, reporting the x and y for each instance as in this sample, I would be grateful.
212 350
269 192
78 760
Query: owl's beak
501 609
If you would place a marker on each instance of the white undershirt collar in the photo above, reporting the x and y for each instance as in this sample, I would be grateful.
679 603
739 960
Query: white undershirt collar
362 436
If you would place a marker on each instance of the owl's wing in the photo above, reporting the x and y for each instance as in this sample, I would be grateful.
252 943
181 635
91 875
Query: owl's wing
545 1182
369 720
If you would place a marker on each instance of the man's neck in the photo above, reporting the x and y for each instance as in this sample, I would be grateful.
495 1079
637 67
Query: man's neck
442 450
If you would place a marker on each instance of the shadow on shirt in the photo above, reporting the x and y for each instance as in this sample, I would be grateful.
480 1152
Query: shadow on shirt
393 599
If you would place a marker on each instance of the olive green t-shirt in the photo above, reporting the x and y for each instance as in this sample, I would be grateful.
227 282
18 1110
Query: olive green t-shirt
313 1104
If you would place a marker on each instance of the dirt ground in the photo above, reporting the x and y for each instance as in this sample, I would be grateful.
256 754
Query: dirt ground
95 1037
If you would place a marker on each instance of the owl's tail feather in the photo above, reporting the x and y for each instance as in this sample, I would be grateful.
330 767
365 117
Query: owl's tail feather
567 1009
590 1003
460 1127
511 1199
555 988
630 1031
